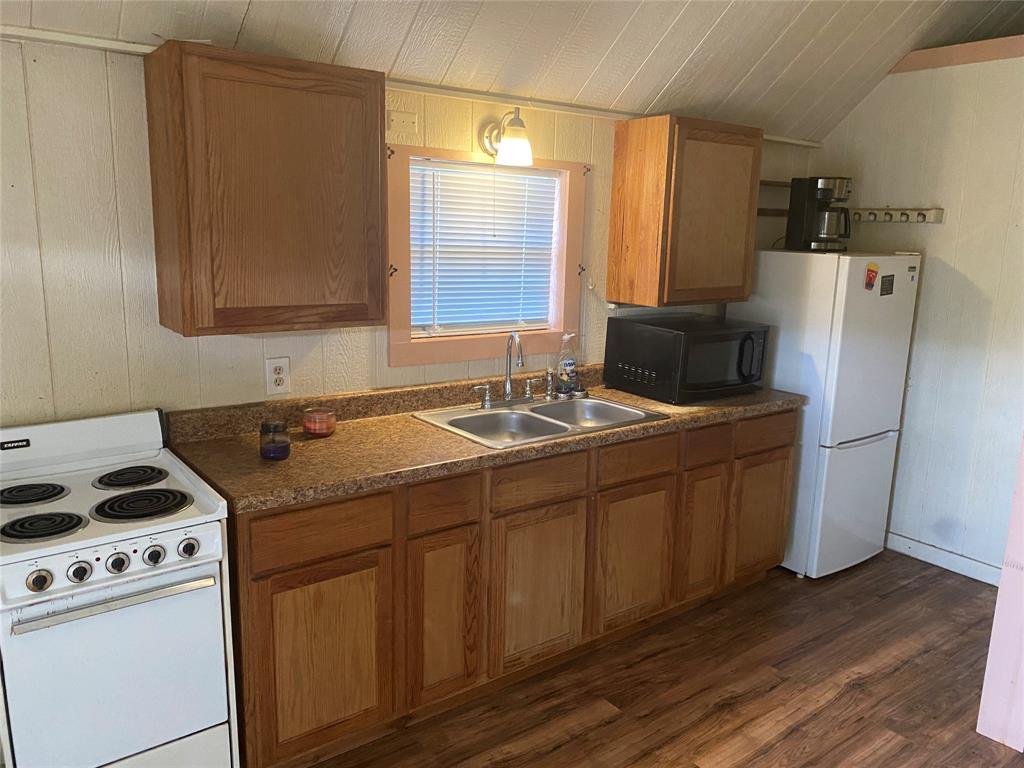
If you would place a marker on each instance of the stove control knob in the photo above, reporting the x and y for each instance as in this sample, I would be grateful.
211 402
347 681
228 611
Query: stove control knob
154 555
39 580
79 572
118 562
188 547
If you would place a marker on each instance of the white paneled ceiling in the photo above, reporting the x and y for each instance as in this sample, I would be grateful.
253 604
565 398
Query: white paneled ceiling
793 67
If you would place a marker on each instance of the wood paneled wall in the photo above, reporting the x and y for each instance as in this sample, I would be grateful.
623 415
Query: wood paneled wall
951 137
78 332
779 162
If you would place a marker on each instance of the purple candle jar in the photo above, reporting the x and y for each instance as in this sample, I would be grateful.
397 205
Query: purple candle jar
275 442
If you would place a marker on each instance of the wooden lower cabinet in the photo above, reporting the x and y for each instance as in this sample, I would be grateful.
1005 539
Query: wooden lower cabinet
757 521
445 613
537 584
355 614
634 530
320 662
704 496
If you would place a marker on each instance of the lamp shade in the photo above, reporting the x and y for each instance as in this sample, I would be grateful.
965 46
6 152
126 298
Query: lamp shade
514 147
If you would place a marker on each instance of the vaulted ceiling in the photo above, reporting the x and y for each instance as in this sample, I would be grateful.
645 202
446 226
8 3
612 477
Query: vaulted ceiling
793 67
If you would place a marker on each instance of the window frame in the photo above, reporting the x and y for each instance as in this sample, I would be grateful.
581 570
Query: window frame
403 348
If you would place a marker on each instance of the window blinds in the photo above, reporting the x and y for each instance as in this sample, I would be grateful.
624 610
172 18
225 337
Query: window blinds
483 240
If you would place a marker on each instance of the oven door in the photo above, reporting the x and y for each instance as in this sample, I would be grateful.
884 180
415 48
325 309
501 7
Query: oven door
116 671
721 363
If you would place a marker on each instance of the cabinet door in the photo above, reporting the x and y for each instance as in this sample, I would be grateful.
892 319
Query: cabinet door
286 192
758 513
638 217
714 212
444 613
700 542
321 661
537 582
634 551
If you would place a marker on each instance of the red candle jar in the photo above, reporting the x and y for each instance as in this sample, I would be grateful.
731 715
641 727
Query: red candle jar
318 422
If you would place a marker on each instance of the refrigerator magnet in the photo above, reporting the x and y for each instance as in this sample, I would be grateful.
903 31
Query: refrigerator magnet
870 276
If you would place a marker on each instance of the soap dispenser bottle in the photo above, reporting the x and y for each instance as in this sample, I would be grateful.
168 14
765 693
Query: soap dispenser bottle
568 377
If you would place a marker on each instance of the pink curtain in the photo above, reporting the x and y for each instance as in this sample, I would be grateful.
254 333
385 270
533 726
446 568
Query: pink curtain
1002 699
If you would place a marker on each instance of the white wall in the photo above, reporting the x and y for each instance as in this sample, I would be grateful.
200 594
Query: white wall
779 162
951 137
78 327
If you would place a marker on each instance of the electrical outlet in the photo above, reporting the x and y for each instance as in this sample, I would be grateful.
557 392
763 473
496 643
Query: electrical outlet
279 375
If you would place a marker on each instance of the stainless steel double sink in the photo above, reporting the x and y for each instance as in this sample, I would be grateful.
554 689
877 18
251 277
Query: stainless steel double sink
518 423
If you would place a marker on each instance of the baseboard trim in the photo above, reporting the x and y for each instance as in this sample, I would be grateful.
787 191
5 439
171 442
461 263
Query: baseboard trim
943 558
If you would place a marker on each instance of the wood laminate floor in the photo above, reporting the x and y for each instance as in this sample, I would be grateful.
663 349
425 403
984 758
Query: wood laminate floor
879 666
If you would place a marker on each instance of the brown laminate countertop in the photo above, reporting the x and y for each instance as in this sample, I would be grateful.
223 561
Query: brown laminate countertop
379 452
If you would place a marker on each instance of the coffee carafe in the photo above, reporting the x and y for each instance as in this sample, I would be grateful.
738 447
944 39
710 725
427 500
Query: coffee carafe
815 222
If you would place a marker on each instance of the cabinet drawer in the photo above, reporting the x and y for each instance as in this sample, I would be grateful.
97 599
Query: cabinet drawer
636 459
708 445
538 481
775 431
296 537
444 503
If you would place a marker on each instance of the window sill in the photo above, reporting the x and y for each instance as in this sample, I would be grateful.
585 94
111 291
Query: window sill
457 349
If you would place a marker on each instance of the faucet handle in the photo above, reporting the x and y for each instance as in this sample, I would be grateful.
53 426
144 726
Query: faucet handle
528 390
485 394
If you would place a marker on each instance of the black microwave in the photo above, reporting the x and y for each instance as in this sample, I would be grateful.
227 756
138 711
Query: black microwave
684 357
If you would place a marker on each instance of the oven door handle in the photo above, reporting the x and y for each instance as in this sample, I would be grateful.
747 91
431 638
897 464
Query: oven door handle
53 620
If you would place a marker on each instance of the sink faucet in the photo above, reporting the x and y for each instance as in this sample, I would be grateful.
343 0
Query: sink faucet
506 392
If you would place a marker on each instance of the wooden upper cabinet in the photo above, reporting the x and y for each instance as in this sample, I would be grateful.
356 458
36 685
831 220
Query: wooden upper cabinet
268 191
684 211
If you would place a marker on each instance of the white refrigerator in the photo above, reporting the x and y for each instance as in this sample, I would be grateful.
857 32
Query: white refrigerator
840 334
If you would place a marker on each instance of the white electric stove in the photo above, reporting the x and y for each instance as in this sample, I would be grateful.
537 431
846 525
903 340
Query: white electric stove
114 620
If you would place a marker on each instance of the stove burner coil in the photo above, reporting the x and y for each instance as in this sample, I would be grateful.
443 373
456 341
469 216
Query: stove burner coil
46 525
141 505
32 493
130 477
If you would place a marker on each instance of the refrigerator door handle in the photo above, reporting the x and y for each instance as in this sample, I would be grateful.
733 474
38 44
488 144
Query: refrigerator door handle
862 441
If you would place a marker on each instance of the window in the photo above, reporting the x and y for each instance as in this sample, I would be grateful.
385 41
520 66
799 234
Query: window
482 244
478 250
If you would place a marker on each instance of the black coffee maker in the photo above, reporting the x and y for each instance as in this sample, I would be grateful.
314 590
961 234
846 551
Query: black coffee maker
815 222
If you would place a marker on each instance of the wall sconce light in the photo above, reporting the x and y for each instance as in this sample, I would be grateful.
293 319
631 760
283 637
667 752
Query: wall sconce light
506 140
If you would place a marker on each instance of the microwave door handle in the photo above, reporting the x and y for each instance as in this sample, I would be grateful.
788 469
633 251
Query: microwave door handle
747 343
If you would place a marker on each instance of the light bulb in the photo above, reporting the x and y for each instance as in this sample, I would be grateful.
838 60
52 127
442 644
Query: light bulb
514 147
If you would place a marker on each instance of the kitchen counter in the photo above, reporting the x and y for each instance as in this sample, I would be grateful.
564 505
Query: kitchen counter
378 452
